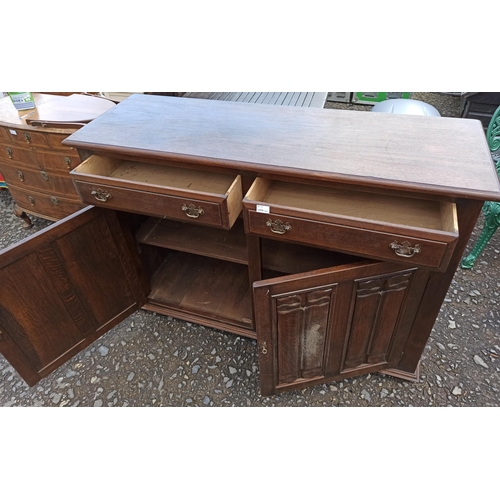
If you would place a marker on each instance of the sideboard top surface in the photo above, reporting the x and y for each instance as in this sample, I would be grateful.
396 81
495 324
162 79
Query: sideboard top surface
436 155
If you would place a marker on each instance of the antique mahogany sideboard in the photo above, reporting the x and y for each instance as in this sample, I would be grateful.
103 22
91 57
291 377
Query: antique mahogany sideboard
33 161
329 236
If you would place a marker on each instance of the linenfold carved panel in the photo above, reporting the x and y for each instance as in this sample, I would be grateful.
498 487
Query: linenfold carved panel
376 310
302 327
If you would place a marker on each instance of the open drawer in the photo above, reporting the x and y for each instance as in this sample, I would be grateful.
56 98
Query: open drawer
376 225
165 190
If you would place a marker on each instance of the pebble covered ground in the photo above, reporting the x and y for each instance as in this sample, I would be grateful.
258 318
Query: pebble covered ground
155 360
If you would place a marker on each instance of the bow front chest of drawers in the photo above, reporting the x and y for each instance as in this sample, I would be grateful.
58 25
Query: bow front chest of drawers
329 236
33 160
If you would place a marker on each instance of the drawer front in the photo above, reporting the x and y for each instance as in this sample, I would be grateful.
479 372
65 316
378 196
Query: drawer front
45 205
55 142
62 162
40 180
364 242
155 204
28 137
5 136
12 153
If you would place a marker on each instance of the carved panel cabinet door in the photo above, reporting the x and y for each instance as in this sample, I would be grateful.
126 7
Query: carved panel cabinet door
315 327
63 288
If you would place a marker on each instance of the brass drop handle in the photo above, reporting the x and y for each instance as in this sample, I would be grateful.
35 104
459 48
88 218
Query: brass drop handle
405 249
27 137
45 175
192 211
9 152
101 195
278 226
31 200
20 175
54 200
67 160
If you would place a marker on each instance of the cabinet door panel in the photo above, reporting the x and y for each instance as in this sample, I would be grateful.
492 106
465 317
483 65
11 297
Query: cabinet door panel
377 305
313 327
62 289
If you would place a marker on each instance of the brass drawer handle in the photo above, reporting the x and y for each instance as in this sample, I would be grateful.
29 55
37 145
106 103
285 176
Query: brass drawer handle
404 249
20 175
27 137
45 175
31 200
9 152
54 200
101 195
278 226
67 160
192 211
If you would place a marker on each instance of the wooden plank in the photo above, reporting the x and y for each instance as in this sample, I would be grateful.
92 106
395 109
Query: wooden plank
199 240
440 156
208 287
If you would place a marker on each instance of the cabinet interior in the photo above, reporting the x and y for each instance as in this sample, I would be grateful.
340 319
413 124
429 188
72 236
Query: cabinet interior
370 206
205 271
164 175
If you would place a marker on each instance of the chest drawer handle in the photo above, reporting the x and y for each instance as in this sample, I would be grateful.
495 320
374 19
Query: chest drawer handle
31 200
27 137
192 211
54 200
101 195
404 249
20 175
45 175
67 160
278 227
9 152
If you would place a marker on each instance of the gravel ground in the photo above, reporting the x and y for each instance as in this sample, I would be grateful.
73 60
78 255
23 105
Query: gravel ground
154 360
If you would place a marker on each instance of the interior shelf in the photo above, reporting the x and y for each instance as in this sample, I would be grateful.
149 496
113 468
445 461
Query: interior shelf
282 257
208 287
196 239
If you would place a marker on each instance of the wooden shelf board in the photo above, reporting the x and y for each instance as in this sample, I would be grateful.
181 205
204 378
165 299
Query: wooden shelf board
208 287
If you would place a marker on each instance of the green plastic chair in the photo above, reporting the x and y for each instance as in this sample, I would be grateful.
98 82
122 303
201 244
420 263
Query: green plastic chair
491 209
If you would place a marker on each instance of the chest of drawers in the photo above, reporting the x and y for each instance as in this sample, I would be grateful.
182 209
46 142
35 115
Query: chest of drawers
33 160
329 237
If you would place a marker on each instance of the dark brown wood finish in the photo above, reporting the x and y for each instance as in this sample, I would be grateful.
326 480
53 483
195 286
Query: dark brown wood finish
323 315
323 325
440 156
62 289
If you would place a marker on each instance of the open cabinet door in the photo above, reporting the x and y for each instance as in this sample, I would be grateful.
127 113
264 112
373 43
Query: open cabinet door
323 325
63 288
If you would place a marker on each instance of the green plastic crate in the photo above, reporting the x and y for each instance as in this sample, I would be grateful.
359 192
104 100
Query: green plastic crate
374 97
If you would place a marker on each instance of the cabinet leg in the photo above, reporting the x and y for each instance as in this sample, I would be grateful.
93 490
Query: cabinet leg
27 224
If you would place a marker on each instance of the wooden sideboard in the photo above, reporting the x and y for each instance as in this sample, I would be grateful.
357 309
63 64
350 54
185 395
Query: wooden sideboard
33 161
329 236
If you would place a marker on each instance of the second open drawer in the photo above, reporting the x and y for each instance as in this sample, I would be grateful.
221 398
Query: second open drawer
393 228
165 190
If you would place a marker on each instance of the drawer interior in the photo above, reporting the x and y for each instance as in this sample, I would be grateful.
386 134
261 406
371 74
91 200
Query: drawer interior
365 206
165 175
